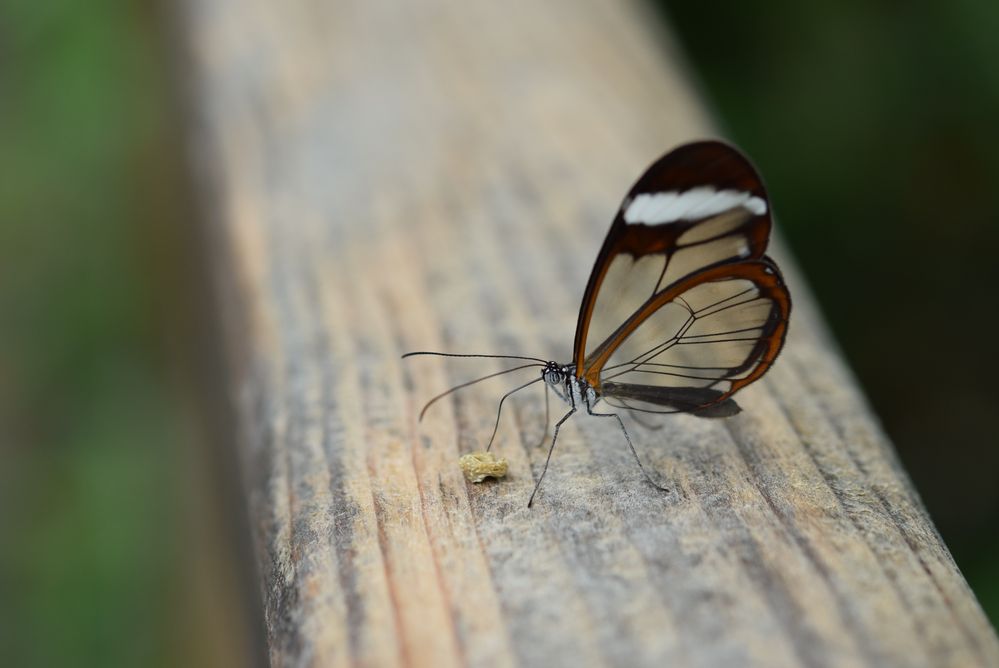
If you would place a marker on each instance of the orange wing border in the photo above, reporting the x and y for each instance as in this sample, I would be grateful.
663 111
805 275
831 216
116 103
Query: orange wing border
763 273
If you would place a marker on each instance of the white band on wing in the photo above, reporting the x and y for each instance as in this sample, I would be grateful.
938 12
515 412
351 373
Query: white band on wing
693 204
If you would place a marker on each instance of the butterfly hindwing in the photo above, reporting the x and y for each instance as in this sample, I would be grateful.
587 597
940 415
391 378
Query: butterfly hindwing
713 332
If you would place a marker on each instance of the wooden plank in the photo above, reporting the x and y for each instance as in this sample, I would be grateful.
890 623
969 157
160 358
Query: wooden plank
386 177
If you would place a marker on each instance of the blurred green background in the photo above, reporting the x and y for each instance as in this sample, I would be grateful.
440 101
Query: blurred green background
875 124
114 552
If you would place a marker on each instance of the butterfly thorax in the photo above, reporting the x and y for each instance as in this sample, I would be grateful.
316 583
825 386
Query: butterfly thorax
573 390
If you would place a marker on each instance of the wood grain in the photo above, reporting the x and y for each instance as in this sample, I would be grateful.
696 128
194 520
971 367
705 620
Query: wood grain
386 177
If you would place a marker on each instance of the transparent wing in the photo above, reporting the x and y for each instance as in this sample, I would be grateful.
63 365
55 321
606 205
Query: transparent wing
708 336
700 206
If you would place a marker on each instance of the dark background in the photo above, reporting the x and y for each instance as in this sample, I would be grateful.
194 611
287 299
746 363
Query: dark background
876 125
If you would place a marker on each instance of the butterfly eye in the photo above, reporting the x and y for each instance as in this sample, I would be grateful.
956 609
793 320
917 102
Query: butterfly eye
552 374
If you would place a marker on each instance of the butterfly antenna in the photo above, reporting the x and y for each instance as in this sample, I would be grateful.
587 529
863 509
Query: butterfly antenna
495 357
471 382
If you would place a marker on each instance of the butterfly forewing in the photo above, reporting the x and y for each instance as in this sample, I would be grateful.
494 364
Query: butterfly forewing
682 307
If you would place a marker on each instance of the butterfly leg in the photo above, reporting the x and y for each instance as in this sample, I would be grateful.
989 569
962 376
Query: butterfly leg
548 416
499 410
550 450
589 410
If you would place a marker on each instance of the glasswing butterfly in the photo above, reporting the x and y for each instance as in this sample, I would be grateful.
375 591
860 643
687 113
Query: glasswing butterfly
682 309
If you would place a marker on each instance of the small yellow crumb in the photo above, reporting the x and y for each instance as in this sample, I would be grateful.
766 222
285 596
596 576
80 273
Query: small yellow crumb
478 466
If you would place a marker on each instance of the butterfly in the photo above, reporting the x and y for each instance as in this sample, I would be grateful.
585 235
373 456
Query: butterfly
682 309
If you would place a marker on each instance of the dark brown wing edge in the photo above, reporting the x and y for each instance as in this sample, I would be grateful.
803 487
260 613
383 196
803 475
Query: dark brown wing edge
699 163
763 273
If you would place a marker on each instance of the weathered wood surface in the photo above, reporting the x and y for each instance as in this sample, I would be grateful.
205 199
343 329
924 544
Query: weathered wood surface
387 177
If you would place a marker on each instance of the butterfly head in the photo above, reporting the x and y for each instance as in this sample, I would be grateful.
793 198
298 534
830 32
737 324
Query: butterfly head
555 373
